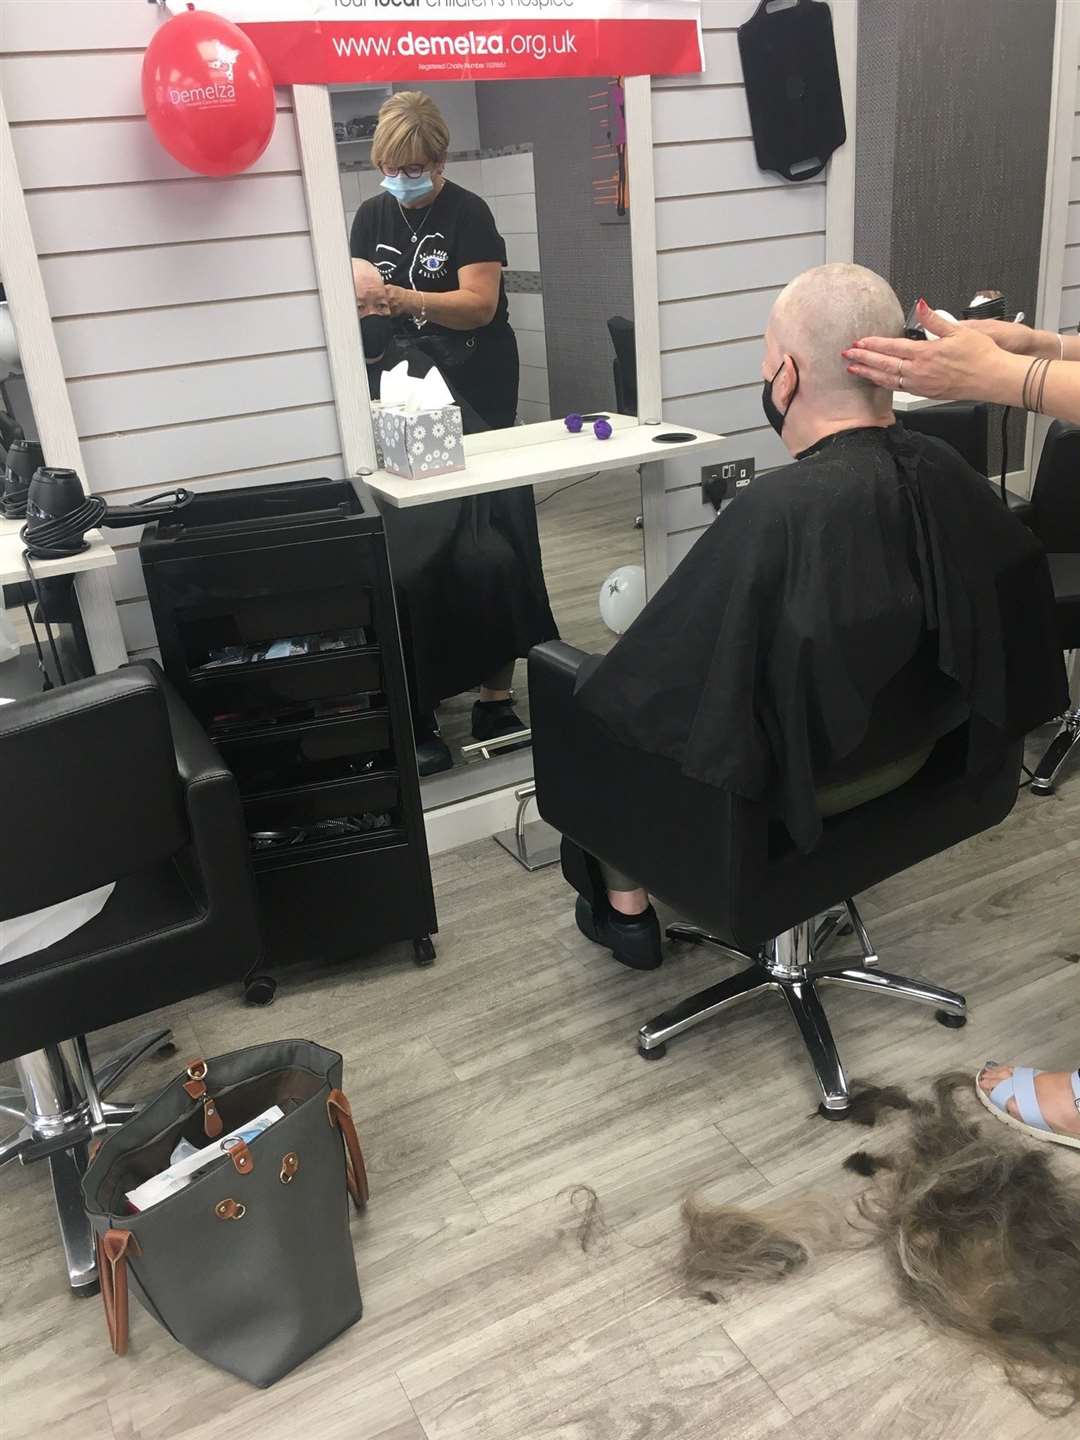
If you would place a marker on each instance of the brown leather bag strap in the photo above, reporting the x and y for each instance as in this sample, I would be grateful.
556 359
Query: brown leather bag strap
112 1253
340 1113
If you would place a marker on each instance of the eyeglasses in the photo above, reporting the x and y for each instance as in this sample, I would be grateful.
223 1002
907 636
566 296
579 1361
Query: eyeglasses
413 172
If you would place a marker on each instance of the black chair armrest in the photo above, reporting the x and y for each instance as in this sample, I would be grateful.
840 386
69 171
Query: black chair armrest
196 757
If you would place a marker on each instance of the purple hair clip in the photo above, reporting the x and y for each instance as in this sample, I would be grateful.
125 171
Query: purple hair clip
602 429
573 423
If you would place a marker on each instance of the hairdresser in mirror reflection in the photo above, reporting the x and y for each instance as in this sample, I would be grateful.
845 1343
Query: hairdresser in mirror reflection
992 360
974 360
437 249
427 274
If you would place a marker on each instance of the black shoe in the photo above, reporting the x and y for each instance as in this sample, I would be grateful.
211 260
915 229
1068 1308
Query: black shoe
634 940
433 755
492 718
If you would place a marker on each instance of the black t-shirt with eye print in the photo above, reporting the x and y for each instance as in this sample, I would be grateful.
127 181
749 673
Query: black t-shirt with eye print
456 230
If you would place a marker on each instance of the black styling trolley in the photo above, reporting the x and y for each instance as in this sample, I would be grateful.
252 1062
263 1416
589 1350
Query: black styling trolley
275 615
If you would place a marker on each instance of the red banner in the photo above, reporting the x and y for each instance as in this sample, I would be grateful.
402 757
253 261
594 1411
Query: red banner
304 42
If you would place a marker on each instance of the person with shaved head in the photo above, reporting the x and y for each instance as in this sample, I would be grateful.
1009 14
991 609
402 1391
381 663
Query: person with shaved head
876 567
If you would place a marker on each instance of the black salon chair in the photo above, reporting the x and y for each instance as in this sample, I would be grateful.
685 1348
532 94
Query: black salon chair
109 779
728 867
1055 518
624 366
964 424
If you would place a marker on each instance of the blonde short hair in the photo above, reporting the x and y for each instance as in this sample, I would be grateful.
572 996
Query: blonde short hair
411 131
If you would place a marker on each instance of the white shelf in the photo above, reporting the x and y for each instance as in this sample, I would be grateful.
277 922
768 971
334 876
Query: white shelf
98 556
530 454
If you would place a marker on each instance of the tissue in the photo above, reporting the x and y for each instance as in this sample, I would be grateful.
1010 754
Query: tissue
417 425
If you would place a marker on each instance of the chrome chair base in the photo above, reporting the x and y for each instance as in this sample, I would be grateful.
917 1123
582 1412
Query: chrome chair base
793 964
1061 747
61 1111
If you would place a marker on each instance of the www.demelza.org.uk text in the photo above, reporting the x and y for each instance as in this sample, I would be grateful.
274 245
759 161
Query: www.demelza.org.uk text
454 4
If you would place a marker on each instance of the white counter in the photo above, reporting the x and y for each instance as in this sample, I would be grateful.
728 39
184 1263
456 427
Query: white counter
902 401
531 454
99 556
96 604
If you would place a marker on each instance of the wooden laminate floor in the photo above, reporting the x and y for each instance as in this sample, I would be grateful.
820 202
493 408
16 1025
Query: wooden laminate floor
487 1085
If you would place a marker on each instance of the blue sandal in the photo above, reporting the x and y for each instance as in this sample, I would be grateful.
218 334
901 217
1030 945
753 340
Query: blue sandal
1020 1086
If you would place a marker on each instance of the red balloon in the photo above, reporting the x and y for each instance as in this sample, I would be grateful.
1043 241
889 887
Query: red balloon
208 94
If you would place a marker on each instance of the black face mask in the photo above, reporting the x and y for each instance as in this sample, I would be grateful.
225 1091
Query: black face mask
773 413
376 332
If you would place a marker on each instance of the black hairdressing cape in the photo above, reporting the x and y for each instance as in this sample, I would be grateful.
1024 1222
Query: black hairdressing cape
756 665
468 575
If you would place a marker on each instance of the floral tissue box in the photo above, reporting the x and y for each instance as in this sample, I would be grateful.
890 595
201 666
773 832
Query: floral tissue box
417 443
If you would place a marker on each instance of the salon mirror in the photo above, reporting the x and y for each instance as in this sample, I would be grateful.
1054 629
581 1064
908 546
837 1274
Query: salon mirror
525 221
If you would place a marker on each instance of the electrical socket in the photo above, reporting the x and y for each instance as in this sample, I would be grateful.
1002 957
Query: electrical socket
724 479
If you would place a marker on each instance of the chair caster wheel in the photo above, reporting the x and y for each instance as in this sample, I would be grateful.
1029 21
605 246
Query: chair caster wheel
260 990
423 951
167 1050
949 1020
655 1052
833 1114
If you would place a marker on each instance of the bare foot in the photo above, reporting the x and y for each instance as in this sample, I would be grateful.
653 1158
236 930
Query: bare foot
1053 1090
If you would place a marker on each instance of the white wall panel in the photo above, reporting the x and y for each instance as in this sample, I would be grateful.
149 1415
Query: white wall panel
709 367
165 212
182 335
63 86
159 458
177 274
89 25
700 113
680 544
722 64
198 392
720 411
713 219
729 269
109 152
719 317
728 14
692 169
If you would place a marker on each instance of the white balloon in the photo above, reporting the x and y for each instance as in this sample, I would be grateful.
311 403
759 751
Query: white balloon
622 597
9 350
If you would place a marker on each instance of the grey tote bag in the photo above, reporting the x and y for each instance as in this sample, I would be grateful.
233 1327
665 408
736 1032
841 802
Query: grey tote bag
252 1265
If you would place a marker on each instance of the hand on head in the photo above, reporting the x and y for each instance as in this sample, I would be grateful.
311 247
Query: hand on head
956 366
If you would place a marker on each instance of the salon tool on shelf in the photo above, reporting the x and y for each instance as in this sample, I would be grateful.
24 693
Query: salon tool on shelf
58 515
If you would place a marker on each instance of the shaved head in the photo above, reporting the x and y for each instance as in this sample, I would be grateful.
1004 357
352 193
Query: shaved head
821 313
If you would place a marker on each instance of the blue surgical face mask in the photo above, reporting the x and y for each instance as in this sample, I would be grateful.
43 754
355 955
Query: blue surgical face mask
406 191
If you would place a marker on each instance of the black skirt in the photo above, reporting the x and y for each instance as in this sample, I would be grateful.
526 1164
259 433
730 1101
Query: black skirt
467 573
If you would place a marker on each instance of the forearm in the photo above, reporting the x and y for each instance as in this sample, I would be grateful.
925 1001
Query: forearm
1049 345
454 309
1059 389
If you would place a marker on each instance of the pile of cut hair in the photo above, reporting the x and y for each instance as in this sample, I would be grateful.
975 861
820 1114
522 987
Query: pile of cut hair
980 1230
